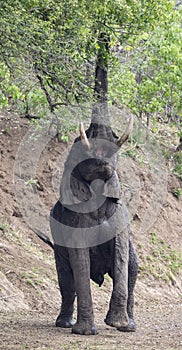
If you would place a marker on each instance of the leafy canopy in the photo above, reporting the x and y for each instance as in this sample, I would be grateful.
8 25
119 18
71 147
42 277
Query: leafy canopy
49 50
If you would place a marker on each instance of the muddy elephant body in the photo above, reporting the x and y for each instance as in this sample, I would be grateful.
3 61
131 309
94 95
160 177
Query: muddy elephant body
91 233
75 267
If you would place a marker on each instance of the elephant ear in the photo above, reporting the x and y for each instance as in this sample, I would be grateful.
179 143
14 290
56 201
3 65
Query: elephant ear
112 187
73 189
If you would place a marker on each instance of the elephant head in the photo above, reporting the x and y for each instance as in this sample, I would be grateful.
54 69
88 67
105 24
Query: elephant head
90 166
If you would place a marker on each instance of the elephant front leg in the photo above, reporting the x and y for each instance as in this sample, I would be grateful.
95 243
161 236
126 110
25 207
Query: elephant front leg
117 315
80 262
132 277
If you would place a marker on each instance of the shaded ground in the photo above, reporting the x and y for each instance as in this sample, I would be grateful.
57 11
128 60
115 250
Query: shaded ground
29 296
159 328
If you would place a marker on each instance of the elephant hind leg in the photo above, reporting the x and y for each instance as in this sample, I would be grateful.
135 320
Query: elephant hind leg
65 317
67 288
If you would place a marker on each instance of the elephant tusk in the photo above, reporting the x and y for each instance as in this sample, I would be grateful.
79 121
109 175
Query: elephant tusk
83 136
126 134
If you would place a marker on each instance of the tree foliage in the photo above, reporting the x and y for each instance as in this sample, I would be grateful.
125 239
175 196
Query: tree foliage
150 74
49 50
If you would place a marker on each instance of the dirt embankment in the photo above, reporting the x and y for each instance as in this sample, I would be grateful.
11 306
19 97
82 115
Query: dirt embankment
29 296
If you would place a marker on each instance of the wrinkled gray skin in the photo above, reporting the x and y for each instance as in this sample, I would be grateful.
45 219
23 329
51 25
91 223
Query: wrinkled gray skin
117 257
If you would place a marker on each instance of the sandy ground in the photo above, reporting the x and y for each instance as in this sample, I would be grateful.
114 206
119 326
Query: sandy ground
29 296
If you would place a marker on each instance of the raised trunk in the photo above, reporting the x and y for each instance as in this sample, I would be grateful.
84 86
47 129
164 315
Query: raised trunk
101 69
101 80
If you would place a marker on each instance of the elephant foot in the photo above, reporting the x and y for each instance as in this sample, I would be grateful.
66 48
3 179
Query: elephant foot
64 322
117 319
131 327
84 328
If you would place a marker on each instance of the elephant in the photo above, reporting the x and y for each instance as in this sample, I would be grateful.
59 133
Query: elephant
90 227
